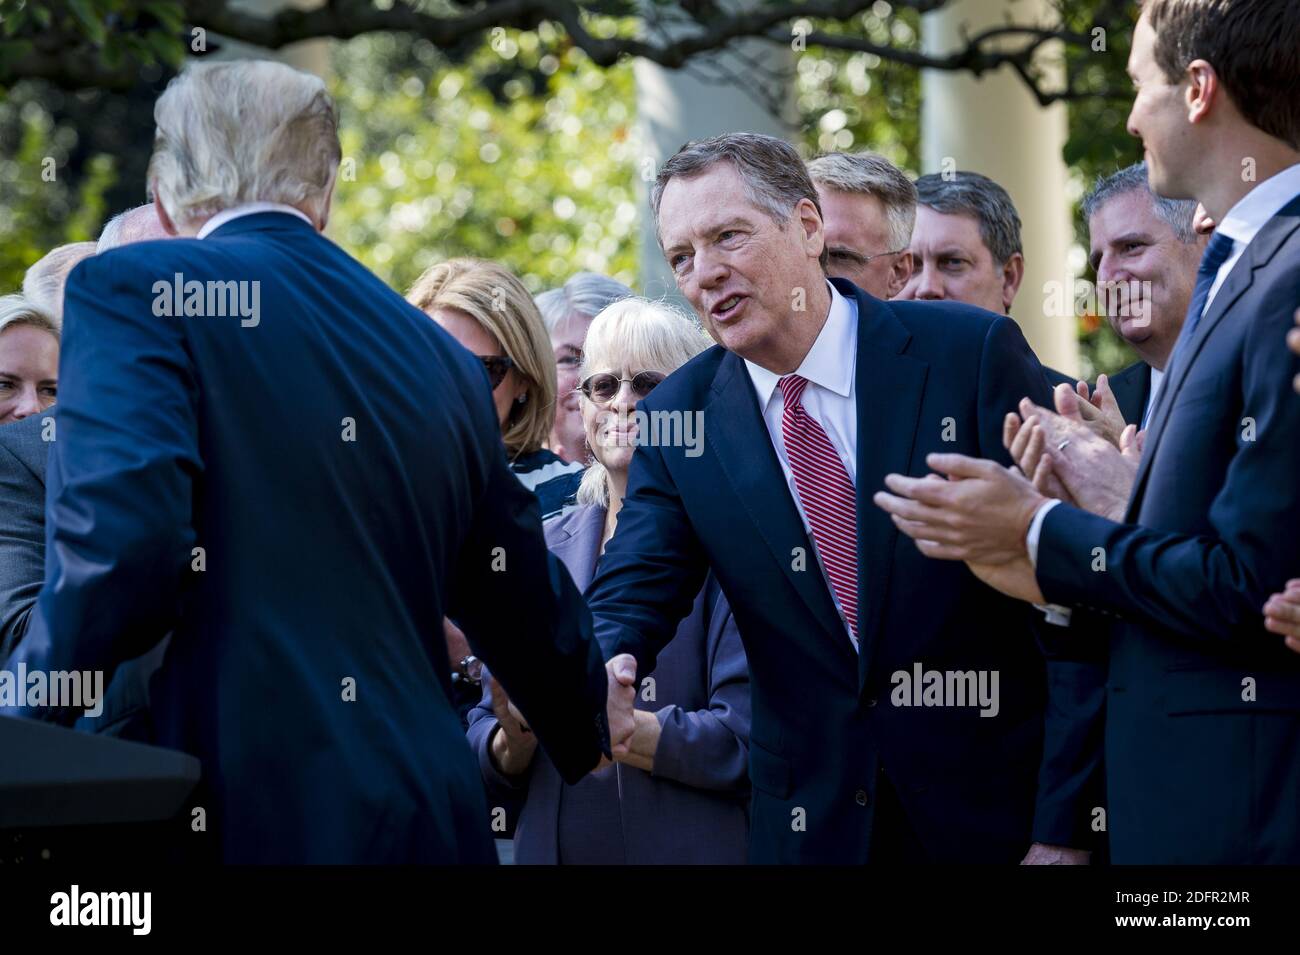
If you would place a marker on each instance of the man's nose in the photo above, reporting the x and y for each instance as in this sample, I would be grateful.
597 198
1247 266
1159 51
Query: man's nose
710 270
931 284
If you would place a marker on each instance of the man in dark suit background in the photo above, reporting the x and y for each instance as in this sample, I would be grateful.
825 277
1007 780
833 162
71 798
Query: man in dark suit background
1144 250
816 392
1203 703
267 452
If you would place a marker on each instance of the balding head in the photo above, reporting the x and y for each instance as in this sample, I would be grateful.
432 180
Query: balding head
135 225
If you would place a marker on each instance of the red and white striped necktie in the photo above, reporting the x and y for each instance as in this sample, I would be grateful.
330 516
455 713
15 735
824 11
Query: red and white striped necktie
826 494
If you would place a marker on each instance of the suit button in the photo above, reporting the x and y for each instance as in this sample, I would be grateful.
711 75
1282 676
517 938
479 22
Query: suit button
872 702
860 797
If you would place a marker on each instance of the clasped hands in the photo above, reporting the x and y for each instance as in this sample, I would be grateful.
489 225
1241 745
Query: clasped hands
980 512
631 736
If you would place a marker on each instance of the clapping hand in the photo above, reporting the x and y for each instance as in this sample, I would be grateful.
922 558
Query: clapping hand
1065 458
1100 410
979 515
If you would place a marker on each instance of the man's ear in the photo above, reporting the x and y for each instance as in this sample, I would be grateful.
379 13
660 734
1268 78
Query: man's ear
899 273
324 217
1202 90
1013 273
164 219
810 222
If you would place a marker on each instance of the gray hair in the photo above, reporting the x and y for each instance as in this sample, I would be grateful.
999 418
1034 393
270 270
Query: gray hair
135 225
44 280
644 334
870 174
244 131
20 310
969 193
1175 213
586 294
774 175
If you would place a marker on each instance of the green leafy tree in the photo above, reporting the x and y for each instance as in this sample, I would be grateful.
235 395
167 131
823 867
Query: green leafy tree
514 154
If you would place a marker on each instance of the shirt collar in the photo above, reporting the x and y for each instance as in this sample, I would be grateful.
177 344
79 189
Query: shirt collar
248 209
1247 217
824 364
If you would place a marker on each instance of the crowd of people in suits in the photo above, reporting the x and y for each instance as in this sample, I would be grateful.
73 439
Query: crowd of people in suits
326 548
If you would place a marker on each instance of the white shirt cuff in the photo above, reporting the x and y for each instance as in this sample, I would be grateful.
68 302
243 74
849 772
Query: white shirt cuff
1055 613
1036 529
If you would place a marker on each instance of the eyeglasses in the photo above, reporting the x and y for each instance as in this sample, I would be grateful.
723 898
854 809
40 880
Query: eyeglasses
858 259
498 366
603 387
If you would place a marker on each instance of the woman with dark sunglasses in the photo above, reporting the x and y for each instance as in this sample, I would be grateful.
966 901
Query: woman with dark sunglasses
489 311
681 794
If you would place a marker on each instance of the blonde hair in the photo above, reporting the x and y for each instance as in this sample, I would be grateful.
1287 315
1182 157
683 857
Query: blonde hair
244 131
497 300
20 310
44 280
641 334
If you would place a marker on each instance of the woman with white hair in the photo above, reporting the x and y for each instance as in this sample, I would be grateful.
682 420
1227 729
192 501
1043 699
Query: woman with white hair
681 794
568 312
29 359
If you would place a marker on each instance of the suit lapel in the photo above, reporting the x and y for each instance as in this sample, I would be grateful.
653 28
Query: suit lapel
1131 388
889 386
734 427
1256 255
578 546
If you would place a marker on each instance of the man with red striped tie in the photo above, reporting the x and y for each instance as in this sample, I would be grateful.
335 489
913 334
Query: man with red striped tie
898 704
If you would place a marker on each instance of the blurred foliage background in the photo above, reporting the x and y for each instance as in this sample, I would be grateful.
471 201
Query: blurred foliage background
502 150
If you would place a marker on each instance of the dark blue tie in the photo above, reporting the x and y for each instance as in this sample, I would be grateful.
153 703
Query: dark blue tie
1216 253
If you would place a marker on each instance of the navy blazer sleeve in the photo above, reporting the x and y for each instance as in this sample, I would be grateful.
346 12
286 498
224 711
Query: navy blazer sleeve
652 569
1205 588
120 479
523 615
709 748
1070 779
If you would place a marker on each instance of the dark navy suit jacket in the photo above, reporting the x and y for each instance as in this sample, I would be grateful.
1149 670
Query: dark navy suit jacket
340 465
22 523
692 808
1203 704
1132 389
823 718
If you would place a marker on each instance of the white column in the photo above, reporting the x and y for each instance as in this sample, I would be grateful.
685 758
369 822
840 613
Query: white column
993 125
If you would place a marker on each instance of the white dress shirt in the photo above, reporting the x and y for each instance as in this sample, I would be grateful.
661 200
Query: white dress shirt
830 399
1157 378
1248 216
1242 223
248 209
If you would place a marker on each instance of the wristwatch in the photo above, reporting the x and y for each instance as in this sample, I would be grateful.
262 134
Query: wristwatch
471 670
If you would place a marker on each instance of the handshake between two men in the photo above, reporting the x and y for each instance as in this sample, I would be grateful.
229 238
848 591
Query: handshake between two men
632 737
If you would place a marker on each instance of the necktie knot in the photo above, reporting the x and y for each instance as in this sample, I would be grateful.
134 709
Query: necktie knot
792 387
1216 253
